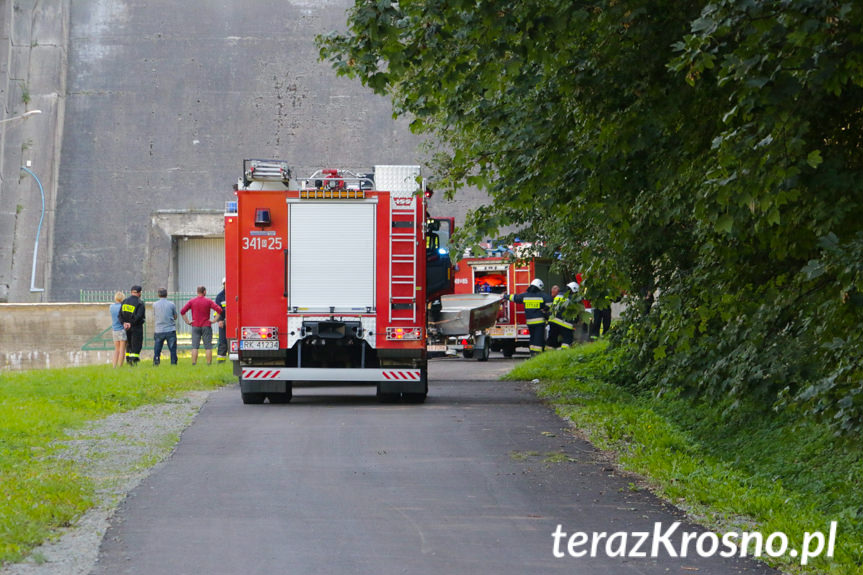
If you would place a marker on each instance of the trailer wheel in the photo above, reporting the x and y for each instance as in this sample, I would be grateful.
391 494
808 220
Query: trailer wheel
467 353
483 353
250 398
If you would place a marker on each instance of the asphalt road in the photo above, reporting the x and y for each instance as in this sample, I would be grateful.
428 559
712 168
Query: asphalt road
476 480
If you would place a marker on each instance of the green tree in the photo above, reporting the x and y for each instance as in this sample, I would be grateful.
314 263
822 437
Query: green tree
705 152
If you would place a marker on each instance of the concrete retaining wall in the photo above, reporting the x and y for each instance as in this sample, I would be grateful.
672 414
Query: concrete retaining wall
42 335
36 336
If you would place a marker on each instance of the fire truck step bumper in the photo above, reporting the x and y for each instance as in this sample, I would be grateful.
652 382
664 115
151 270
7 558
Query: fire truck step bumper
371 375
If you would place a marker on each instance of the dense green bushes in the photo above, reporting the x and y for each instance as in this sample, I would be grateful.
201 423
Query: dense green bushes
703 157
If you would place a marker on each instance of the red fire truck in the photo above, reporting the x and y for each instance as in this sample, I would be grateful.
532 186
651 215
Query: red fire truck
501 273
327 283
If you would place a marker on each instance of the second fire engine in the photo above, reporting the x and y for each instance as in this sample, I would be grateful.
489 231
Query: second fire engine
504 273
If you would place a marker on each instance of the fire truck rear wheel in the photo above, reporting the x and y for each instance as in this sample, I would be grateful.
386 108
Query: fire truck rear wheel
250 398
388 397
414 397
419 397
508 350
281 397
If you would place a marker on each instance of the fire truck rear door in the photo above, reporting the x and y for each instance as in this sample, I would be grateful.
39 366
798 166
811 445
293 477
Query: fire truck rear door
331 256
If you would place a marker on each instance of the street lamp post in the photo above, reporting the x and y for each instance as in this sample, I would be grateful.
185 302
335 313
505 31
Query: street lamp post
33 288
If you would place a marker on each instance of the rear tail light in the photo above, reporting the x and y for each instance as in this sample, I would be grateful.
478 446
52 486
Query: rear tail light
260 333
405 333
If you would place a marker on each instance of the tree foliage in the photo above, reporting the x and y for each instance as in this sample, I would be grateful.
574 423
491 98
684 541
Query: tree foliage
703 157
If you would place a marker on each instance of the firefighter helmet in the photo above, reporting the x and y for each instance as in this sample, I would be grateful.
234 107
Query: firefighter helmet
538 283
573 286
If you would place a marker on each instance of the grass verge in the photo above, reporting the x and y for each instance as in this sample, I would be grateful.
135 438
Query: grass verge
41 492
754 470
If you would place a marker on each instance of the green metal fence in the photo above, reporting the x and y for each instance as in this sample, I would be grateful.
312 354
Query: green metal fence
104 341
107 296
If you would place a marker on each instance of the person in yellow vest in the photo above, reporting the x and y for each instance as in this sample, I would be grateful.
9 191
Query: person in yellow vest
535 302
132 314
565 308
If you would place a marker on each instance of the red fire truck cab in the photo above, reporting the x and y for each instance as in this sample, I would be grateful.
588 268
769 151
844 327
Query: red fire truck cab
326 283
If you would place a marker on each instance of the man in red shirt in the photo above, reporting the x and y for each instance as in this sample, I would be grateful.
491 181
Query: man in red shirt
202 326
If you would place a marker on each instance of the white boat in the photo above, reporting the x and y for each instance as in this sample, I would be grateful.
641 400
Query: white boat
462 314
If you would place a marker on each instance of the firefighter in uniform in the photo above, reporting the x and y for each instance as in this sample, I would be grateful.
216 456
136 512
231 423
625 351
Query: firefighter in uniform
535 303
132 314
564 307
222 350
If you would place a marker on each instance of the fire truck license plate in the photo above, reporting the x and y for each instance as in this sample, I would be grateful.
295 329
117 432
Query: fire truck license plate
257 345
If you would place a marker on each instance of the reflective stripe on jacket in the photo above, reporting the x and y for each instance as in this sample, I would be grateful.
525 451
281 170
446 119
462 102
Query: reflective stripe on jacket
535 304
220 301
132 311
562 302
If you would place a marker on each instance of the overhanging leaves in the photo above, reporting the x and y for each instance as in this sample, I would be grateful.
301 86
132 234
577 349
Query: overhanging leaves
698 155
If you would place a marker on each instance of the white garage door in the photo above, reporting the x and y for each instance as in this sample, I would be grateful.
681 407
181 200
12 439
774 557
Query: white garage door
200 261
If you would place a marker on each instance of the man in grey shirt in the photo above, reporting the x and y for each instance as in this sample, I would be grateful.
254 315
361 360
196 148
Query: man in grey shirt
166 327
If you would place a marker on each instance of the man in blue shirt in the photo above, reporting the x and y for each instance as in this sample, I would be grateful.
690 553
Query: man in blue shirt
166 327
